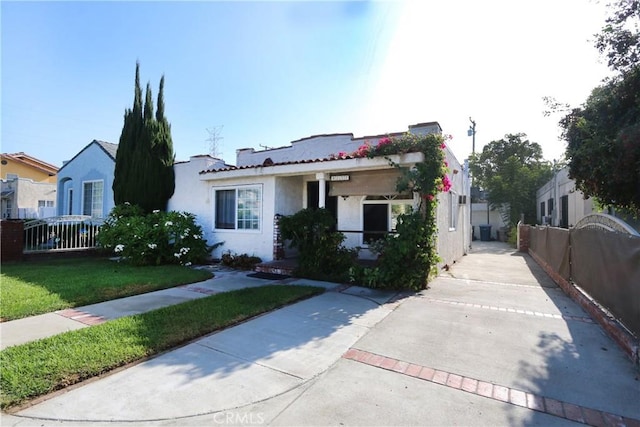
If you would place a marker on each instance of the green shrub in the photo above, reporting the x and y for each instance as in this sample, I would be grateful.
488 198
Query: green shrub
240 262
321 253
405 259
154 239
409 257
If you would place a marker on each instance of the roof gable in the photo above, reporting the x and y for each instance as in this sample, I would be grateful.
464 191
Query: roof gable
107 147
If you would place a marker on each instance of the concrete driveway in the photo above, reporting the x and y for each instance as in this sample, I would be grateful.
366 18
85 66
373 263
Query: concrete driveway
492 342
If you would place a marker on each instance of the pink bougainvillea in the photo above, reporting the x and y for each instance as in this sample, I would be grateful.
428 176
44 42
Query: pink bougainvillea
363 150
445 185
384 141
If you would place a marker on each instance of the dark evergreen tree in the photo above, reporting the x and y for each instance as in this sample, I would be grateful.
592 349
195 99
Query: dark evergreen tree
131 131
163 150
144 173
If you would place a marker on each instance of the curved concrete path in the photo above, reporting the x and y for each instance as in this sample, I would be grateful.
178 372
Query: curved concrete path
492 342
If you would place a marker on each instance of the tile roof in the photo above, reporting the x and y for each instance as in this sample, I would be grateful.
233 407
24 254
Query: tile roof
28 160
268 163
109 147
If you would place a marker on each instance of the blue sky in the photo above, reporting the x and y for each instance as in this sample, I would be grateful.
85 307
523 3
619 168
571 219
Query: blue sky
273 72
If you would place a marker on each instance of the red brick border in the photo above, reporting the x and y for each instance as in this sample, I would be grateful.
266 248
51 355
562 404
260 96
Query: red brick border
81 316
199 289
498 392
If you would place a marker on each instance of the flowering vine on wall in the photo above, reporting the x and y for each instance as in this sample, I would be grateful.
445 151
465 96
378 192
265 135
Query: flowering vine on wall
407 257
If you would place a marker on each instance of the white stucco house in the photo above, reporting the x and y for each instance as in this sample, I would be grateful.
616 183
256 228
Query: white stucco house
238 204
84 182
560 204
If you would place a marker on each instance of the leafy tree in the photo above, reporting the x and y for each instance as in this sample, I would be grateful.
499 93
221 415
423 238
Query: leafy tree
511 170
603 135
620 37
144 174
603 143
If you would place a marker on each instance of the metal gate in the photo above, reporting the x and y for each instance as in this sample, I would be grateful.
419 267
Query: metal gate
61 233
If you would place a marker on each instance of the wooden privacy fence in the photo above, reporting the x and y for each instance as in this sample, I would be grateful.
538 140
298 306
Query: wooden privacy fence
601 256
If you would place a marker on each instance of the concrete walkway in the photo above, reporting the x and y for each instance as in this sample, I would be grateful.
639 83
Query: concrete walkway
492 342
36 327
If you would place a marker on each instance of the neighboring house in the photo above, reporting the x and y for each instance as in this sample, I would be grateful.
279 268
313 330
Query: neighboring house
28 187
480 216
560 204
238 205
85 181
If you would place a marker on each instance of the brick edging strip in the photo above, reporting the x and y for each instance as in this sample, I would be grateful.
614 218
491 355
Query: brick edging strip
534 402
621 336
81 316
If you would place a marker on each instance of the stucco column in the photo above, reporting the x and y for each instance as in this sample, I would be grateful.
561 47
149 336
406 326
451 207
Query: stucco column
322 193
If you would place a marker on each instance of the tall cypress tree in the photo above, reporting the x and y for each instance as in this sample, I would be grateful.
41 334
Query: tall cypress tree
163 150
144 162
123 191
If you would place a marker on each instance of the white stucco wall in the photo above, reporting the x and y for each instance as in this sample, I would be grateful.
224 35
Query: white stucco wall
454 238
556 188
251 242
26 195
193 195
284 191
319 147
479 217
350 218
291 194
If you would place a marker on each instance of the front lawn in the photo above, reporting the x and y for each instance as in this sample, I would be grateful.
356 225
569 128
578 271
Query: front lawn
30 288
40 367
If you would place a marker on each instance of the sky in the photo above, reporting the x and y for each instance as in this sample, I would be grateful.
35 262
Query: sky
262 74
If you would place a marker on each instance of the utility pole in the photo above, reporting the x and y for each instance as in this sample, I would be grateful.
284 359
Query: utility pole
214 140
472 133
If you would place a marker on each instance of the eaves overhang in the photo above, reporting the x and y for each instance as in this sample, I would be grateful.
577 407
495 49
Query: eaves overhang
314 166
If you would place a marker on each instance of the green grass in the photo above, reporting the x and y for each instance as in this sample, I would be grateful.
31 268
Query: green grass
40 367
31 288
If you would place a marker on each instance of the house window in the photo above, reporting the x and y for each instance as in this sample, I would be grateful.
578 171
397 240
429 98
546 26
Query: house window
92 198
550 206
542 212
238 208
380 216
453 210
45 203
12 176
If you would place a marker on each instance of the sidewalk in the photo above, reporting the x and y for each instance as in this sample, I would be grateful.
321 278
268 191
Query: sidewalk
36 327
492 342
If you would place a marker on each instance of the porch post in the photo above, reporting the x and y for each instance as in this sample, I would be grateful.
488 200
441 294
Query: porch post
322 193
278 246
